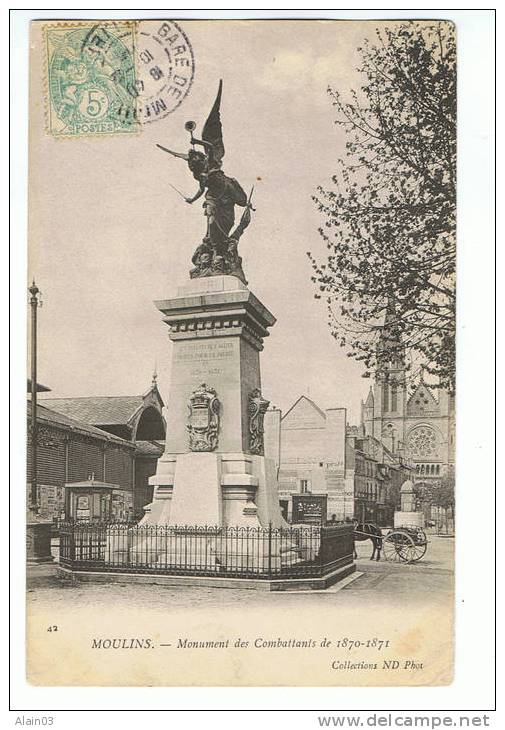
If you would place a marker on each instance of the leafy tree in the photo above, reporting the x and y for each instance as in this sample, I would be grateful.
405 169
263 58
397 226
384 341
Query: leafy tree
440 493
390 214
443 493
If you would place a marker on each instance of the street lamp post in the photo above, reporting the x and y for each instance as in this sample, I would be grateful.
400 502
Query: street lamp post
34 304
38 530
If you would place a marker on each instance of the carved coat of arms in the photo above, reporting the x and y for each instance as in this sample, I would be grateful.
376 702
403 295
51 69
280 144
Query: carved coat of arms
203 425
257 409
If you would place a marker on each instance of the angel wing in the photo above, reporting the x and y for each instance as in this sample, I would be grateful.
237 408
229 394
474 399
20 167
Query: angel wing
213 132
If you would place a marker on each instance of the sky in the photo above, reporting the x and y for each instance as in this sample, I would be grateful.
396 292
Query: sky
108 235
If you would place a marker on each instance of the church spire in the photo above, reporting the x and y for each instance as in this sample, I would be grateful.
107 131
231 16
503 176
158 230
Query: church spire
390 316
390 348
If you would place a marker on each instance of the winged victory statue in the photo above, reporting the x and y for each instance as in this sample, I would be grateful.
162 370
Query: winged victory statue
218 252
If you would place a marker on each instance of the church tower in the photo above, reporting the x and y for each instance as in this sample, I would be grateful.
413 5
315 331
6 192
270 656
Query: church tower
367 413
390 390
421 426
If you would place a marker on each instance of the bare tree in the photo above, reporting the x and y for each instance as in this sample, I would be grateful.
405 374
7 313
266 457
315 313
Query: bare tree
390 214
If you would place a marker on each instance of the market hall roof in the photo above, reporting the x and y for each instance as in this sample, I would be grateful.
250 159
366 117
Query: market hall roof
131 416
57 419
149 448
112 410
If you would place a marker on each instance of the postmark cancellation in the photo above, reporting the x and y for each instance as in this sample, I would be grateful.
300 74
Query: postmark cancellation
112 77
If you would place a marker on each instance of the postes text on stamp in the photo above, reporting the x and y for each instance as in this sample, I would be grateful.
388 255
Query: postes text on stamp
92 87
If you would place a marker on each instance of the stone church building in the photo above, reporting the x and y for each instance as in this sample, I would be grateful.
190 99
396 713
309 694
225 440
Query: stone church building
360 469
421 425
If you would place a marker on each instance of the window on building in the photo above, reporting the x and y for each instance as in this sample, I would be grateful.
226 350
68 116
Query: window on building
438 469
385 397
304 486
394 398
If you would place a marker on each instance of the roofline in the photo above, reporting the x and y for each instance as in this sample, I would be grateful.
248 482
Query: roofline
423 383
150 390
86 397
93 431
131 419
310 401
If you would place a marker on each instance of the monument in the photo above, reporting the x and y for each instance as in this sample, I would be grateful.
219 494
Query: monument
408 515
215 513
214 471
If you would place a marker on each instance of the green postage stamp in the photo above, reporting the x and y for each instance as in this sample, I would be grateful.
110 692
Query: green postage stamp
91 81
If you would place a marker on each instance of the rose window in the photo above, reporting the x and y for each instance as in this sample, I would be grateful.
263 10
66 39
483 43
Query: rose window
423 442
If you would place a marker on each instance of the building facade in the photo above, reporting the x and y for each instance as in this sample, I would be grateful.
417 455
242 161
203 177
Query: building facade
378 475
111 440
68 452
318 454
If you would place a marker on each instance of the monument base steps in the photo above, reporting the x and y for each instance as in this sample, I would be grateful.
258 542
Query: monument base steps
274 584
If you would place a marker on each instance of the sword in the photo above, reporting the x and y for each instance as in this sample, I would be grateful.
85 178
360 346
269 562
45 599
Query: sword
249 205
177 190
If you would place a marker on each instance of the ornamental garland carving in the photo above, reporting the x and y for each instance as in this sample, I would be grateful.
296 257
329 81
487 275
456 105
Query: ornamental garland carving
257 409
203 422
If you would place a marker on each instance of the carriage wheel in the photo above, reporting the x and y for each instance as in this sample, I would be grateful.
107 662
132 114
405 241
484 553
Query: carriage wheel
399 547
418 550
420 543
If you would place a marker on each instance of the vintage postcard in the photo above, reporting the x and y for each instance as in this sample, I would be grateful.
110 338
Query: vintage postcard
241 392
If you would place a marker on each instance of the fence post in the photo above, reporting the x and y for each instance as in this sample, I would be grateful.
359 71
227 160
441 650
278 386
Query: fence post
72 543
128 544
269 549
322 547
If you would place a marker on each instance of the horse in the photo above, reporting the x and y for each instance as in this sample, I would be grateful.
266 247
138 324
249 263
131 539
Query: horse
368 531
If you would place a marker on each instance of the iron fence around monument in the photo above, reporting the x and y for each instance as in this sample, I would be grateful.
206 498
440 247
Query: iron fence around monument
242 552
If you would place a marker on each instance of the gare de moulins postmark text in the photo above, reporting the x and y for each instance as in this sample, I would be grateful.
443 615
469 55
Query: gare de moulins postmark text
111 77
166 67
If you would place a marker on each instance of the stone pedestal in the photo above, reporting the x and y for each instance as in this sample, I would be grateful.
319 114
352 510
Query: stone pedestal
38 540
409 519
408 516
213 471
407 497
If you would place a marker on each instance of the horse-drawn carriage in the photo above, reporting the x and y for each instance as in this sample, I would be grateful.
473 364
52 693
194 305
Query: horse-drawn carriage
406 544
